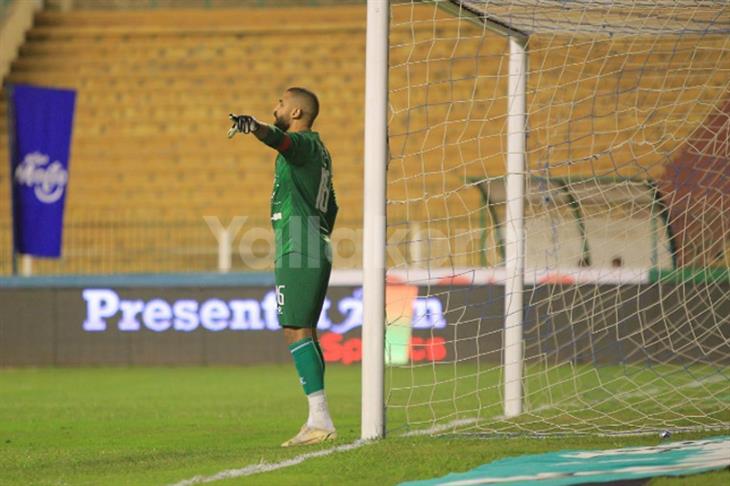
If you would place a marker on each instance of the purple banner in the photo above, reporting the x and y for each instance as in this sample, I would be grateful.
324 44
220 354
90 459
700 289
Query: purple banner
42 124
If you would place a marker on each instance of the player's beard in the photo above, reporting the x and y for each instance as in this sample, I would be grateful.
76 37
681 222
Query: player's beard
281 123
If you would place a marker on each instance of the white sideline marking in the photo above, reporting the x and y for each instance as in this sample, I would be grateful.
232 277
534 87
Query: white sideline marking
266 467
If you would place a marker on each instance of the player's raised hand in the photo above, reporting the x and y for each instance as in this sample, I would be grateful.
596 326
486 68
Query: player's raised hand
243 124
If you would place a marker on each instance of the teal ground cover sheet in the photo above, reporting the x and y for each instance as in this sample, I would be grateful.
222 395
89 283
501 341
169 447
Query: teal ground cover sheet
679 458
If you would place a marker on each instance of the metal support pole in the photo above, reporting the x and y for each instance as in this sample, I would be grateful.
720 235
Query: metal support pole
515 230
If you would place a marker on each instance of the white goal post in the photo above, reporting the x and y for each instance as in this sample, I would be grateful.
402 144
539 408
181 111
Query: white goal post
546 244
374 218
374 197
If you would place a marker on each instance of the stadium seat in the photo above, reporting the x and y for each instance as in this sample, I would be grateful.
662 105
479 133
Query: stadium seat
155 87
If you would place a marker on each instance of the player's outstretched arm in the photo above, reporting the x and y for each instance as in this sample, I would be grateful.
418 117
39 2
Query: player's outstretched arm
247 124
268 134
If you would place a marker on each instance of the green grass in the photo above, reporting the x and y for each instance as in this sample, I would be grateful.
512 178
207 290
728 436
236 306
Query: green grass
576 399
161 425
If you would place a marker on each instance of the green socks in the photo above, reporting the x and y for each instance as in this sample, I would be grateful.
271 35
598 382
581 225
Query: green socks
321 357
309 362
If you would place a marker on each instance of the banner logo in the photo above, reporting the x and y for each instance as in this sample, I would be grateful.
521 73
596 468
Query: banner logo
106 306
106 310
48 183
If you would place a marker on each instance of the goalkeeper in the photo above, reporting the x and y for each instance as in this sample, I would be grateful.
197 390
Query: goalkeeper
303 211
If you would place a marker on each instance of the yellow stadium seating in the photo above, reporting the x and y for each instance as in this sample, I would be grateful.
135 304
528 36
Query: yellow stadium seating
155 87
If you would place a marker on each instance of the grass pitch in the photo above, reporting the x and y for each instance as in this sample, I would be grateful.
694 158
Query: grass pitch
162 425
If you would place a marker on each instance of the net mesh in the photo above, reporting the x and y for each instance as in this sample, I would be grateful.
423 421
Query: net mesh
627 216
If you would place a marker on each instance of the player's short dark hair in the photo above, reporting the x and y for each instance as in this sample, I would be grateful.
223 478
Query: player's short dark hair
310 96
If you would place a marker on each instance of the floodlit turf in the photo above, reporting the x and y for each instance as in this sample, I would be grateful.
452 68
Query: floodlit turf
570 399
162 425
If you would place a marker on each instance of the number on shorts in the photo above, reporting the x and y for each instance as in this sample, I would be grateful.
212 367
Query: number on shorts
280 295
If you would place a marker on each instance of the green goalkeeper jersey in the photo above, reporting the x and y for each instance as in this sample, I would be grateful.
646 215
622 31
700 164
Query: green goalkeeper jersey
303 203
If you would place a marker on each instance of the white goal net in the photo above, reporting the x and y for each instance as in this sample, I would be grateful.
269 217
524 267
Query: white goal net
626 298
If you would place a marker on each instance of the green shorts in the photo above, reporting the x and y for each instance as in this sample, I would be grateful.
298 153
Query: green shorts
301 285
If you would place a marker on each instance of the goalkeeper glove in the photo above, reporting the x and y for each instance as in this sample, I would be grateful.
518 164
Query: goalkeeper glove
243 124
